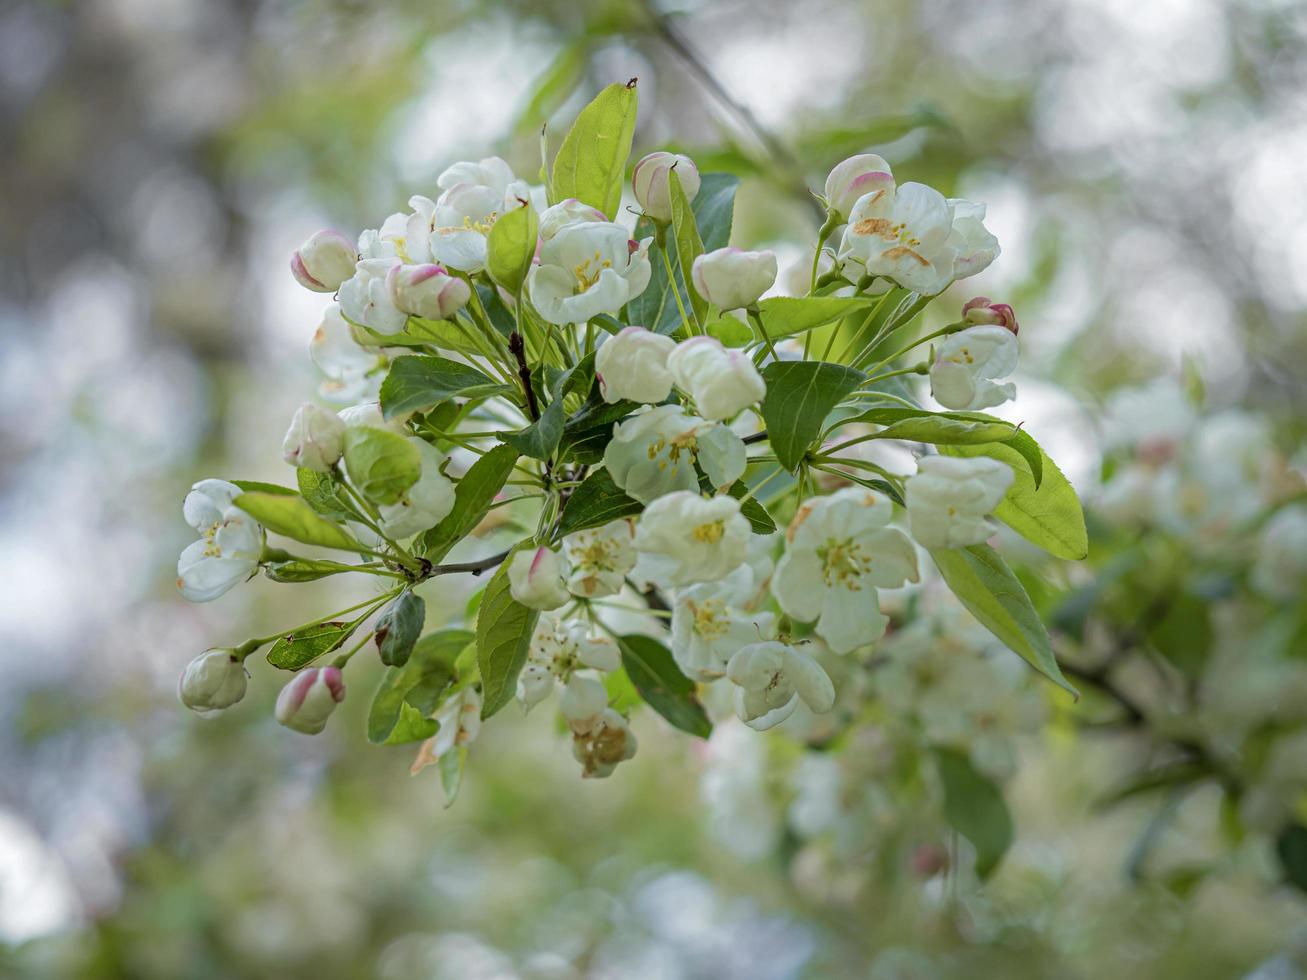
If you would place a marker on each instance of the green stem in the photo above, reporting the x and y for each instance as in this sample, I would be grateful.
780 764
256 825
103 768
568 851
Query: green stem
691 326
755 315
951 328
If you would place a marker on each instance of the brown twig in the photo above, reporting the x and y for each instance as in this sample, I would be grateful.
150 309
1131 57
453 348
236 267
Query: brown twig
517 346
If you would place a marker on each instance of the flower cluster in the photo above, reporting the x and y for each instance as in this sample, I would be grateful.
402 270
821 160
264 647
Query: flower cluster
705 508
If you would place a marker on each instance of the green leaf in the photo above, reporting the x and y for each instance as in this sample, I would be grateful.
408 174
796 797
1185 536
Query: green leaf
539 439
800 394
591 163
1048 515
689 246
784 316
660 682
294 518
417 382
713 207
936 428
974 807
473 496
730 331
986 586
323 492
408 695
381 464
594 503
511 245
305 570
399 627
752 509
260 487
296 650
504 628
451 773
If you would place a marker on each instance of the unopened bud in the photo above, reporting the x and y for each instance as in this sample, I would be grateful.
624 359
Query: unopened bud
983 310
325 261
308 700
854 177
427 290
212 681
649 182
732 278
315 439
537 579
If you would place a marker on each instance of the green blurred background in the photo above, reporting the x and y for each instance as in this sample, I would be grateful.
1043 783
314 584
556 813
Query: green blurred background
1142 163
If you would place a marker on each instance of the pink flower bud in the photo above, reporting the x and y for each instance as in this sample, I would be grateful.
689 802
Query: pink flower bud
308 700
983 310
649 182
325 261
426 290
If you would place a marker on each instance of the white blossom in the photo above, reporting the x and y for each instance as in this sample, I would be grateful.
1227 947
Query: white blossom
839 551
324 261
460 723
601 738
586 269
310 697
684 538
570 212
854 178
732 278
712 621
771 678
966 364
974 246
213 681
426 502
370 414
903 234
632 364
427 290
537 578
654 452
365 300
315 439
600 558
353 373
722 381
558 649
650 186
950 496
462 219
229 546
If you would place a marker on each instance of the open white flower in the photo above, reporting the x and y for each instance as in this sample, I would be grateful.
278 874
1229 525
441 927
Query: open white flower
838 552
650 186
903 234
601 738
600 558
462 219
315 439
855 177
633 364
966 364
353 373
365 299
557 649
712 621
537 578
229 546
654 452
771 678
493 173
732 278
684 538
586 269
974 246
722 381
426 502
950 496
324 261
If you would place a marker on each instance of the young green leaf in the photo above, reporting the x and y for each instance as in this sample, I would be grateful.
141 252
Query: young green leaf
305 570
511 245
800 394
296 650
752 509
975 808
381 464
660 682
689 246
937 428
323 492
784 316
1047 515
261 487
408 695
591 163
594 503
473 496
986 586
399 627
451 773
417 382
730 332
504 628
292 517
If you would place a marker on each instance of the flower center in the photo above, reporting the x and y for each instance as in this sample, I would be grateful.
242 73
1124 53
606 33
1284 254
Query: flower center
678 445
843 563
709 533
710 620
587 272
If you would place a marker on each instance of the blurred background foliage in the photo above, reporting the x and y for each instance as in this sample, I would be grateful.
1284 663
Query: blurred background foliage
1142 165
